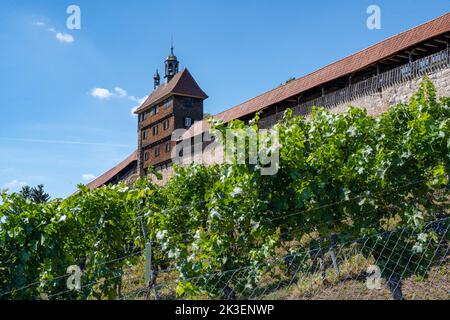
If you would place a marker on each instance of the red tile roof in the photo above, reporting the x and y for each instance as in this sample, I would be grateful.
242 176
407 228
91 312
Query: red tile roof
340 68
182 83
107 176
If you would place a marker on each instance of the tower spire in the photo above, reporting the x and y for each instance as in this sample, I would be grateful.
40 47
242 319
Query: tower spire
156 80
172 64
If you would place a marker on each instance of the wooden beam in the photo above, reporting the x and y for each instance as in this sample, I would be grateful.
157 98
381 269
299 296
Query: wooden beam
413 52
430 45
393 59
441 41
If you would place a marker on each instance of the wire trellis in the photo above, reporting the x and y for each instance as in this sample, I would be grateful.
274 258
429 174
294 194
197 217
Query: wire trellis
340 271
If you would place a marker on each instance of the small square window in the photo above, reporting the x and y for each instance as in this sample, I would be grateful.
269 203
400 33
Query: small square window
166 124
167 103
187 122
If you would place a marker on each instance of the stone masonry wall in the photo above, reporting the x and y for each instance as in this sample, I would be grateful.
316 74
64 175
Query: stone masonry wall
379 102
375 104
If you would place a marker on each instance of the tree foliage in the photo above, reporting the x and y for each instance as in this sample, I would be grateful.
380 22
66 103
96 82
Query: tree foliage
35 194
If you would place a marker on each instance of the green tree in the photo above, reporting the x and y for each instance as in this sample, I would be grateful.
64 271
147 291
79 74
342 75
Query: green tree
38 195
35 194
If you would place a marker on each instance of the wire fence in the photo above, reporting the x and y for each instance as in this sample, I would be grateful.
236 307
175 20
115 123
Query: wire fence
383 266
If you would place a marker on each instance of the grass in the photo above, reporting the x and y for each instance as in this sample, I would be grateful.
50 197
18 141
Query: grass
275 285
351 285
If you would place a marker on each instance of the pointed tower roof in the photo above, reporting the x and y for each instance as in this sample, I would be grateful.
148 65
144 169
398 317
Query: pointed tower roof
171 56
182 84
157 76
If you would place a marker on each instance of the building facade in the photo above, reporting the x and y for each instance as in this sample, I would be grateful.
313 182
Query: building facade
176 104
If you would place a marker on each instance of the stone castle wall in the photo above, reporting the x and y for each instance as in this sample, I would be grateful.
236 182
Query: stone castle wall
379 102
375 104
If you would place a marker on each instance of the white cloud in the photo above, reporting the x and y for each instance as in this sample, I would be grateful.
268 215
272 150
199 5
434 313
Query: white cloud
64 37
39 24
101 93
60 36
121 92
14 184
133 110
138 100
88 177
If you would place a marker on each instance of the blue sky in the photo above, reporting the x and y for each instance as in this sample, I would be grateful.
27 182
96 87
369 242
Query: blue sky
55 131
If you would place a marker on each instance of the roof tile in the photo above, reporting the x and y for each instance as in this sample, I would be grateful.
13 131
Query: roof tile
107 176
182 83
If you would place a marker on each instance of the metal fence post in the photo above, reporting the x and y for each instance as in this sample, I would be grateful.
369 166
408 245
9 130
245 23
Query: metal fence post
150 272
150 269
333 240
